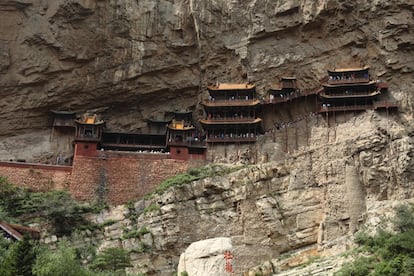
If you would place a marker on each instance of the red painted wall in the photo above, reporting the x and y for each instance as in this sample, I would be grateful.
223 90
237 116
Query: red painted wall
37 177
123 176
116 176
86 149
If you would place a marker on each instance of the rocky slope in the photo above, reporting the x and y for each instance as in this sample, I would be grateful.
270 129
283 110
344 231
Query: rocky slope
307 205
115 57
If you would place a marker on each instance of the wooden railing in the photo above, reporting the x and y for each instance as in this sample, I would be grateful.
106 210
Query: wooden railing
348 81
234 139
375 105
385 104
231 119
137 146
191 143
235 102
291 96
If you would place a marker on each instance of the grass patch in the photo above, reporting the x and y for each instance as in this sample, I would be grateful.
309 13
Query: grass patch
152 208
135 233
193 174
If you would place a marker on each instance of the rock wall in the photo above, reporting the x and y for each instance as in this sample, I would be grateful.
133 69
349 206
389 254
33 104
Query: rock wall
130 60
312 200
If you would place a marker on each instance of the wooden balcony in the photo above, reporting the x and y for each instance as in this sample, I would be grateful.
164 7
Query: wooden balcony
190 144
385 104
348 81
375 105
228 103
129 147
238 139
288 97
230 121
350 95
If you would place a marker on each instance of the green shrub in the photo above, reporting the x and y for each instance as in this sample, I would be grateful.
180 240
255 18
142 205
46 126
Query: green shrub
391 253
193 174
361 267
55 207
18 258
112 259
62 261
135 233
152 208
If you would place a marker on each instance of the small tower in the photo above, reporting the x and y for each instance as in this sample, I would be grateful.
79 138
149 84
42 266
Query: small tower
183 139
88 134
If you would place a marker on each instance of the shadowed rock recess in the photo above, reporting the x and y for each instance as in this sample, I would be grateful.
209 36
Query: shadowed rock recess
129 60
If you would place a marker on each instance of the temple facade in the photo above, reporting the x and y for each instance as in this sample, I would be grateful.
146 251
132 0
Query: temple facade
231 114
351 89
184 140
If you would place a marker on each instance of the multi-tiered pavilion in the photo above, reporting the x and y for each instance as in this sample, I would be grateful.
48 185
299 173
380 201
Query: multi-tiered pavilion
231 113
351 89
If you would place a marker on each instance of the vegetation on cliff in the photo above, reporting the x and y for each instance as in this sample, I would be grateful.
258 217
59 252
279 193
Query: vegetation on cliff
56 208
193 174
65 218
387 252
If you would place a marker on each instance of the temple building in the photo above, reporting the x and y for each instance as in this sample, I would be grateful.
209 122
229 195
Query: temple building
349 89
184 141
151 138
231 114
286 90
88 134
62 135
64 120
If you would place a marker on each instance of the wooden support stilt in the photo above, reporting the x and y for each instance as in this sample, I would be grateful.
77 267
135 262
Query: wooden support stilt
327 132
306 129
286 139
296 137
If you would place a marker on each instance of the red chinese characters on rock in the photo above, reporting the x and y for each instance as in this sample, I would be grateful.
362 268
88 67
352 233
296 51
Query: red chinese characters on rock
228 257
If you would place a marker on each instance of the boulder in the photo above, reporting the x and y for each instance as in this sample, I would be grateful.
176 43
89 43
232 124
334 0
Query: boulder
205 257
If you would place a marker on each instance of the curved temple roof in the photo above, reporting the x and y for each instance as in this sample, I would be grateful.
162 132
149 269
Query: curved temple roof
89 120
345 96
350 83
347 70
230 122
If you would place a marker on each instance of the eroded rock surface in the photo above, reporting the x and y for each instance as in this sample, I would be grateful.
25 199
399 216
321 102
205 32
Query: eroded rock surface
130 60
313 201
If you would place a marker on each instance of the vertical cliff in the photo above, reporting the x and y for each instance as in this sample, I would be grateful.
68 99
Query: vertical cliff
129 60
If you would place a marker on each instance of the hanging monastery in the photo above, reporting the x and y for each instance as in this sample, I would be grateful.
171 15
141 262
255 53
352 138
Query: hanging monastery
129 165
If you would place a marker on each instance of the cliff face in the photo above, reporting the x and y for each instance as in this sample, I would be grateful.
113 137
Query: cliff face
314 200
130 60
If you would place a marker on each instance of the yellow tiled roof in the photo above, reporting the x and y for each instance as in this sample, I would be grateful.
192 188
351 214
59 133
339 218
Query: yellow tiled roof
350 69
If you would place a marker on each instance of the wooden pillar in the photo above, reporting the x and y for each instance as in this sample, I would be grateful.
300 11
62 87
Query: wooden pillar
286 138
296 136
306 129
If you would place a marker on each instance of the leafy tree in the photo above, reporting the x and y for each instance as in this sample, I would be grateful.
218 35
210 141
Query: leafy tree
391 253
112 259
57 207
62 262
19 258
